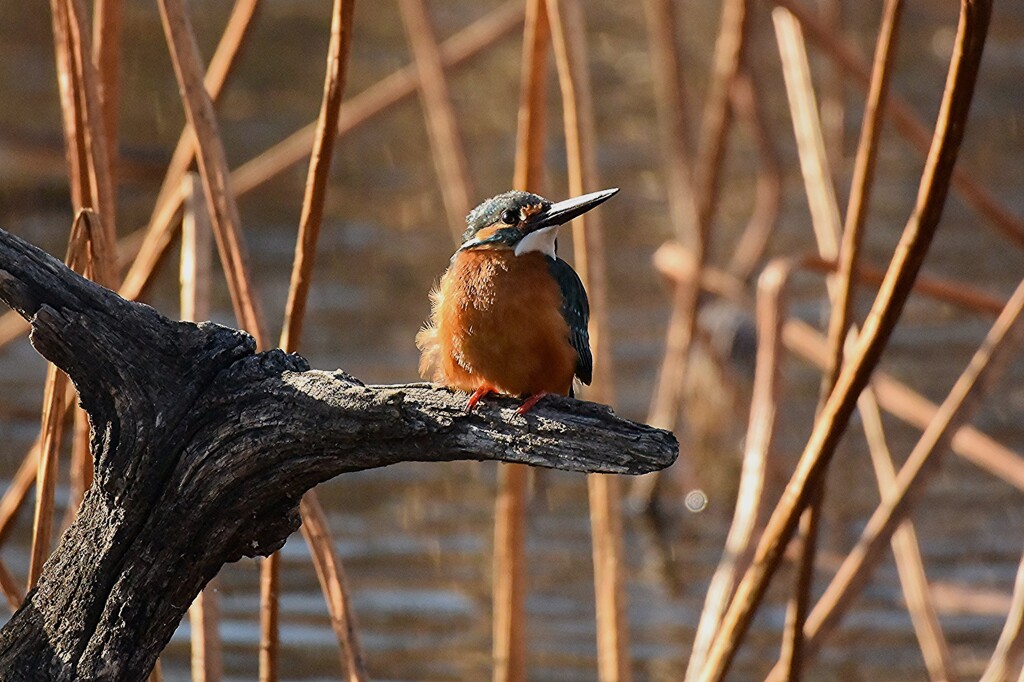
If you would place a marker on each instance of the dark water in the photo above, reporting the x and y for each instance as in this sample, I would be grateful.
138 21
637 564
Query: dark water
416 539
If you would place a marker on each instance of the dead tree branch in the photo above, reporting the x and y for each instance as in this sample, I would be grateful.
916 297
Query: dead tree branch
203 449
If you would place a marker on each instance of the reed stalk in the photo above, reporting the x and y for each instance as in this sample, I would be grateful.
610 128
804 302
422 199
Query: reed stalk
753 242
1008 656
195 278
894 397
167 208
750 502
442 129
508 647
315 528
907 122
885 312
825 220
213 167
568 33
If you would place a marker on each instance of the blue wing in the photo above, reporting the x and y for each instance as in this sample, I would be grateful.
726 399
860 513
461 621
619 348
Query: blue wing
576 311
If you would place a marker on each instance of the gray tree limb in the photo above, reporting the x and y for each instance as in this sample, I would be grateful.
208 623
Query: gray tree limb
203 448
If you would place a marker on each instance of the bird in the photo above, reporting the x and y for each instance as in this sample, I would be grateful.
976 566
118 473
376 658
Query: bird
509 316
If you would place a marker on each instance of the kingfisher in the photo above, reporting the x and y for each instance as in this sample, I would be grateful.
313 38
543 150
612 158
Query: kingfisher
509 316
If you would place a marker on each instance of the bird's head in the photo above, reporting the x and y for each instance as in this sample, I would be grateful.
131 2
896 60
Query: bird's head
524 222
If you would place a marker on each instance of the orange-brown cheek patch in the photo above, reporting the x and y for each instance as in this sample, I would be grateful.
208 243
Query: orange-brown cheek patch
486 233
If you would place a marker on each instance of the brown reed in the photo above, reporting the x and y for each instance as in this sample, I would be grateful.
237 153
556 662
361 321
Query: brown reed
885 312
195 279
1009 653
568 39
508 591
825 221
442 130
315 528
906 121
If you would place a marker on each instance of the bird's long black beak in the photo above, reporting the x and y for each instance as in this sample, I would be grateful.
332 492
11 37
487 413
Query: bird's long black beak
564 211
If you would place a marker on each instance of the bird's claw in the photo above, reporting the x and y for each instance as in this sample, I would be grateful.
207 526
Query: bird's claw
476 397
530 402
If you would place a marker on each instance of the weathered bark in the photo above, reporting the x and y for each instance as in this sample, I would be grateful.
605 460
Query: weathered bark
203 448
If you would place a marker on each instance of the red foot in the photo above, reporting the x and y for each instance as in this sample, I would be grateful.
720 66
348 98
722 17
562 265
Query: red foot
475 398
529 403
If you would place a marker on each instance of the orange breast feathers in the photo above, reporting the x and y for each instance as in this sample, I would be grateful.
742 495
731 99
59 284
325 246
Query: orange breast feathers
497 322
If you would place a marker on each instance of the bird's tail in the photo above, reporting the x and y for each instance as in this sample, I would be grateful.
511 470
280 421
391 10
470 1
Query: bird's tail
430 349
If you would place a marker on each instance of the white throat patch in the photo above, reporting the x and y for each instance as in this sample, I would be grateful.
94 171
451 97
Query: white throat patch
542 240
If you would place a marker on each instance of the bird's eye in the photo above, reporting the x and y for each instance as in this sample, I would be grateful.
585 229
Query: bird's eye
509 216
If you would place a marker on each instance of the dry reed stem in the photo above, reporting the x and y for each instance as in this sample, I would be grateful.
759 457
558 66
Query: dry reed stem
670 103
231 245
297 146
92 126
810 141
509 576
833 105
825 221
9 586
222 65
717 120
911 570
329 571
956 292
21 483
270 612
667 396
801 338
166 210
195 274
195 277
204 623
384 94
107 24
314 523
911 407
885 312
905 547
1008 656
907 551
319 169
531 119
967 393
568 34
752 243
213 166
907 122
157 675
750 503
860 185
894 397
442 130
508 563
909 564
68 92
52 430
